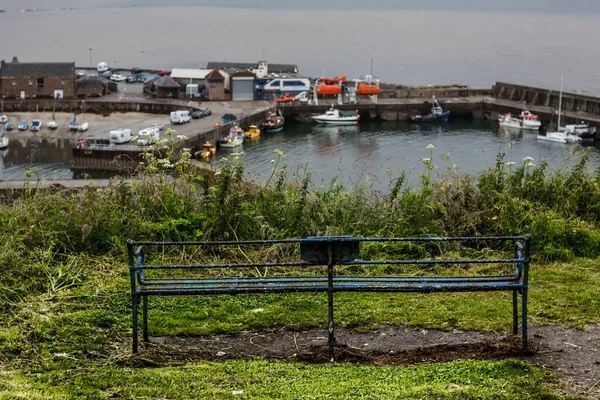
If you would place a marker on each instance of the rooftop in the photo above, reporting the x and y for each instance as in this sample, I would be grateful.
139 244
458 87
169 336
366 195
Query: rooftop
37 69
272 68
189 73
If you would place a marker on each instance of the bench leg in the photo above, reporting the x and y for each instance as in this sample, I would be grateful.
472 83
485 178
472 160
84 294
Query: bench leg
330 302
134 323
515 313
145 317
524 316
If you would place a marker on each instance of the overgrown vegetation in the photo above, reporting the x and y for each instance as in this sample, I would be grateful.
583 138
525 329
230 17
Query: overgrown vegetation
64 294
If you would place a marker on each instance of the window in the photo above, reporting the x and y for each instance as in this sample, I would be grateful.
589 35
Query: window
62 82
14 83
274 83
30 82
40 82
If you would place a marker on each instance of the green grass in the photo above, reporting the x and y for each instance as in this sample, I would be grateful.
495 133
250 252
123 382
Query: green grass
258 379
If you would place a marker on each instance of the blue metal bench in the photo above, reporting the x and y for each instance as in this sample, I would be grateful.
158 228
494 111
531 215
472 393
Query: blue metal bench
328 252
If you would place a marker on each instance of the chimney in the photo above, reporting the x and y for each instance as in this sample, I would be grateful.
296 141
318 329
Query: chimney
15 60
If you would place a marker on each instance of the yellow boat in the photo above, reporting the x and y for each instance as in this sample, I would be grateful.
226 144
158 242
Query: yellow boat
253 132
207 151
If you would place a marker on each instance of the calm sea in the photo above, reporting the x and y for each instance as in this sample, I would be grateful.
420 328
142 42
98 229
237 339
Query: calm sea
474 42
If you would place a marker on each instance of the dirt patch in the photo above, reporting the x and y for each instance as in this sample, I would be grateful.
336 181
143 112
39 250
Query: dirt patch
573 354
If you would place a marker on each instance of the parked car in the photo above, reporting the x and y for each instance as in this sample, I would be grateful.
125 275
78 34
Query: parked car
229 117
203 112
160 127
107 74
164 72
136 71
117 78
80 73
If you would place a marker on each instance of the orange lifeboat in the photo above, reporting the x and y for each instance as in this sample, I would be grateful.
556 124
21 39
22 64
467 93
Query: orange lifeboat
328 90
333 80
367 90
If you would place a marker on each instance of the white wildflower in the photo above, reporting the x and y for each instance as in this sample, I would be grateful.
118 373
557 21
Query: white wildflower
526 159
430 147
426 159
509 163
181 137
530 164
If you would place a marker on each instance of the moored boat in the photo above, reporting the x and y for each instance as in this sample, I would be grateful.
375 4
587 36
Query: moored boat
52 124
36 124
9 126
233 139
508 121
3 119
529 120
252 133
583 130
560 135
337 117
84 127
207 151
3 142
273 123
437 114
22 125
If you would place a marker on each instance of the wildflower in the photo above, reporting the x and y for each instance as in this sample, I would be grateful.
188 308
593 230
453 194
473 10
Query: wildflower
426 160
526 159
181 137
509 163
530 164
430 147
279 153
272 161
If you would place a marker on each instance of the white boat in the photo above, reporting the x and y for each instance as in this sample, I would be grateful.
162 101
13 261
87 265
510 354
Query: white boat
3 119
583 130
36 124
336 117
529 120
84 127
22 125
507 121
235 138
559 136
52 124
3 142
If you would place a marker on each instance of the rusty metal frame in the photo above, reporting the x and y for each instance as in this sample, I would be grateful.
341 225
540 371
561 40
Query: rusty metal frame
328 251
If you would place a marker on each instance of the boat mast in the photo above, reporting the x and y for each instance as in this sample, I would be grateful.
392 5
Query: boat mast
562 81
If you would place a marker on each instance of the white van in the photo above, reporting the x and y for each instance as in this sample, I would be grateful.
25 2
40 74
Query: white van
102 67
119 136
180 117
288 85
148 136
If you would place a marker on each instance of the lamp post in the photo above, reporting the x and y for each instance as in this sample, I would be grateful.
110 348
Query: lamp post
90 58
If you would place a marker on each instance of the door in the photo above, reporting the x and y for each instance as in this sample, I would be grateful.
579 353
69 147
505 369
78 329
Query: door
22 94
243 89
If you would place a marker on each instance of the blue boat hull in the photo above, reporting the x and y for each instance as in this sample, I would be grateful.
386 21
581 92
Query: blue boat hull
430 117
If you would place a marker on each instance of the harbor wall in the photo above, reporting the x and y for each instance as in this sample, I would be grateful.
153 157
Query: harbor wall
103 107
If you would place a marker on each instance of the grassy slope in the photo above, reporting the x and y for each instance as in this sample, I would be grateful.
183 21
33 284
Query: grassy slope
65 303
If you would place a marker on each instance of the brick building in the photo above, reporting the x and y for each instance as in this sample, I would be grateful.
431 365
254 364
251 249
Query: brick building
34 80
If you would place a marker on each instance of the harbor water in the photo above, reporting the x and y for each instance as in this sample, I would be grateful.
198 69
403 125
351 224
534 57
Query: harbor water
366 154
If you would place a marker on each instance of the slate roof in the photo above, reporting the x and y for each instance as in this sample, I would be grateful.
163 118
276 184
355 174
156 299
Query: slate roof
41 69
91 80
280 68
166 82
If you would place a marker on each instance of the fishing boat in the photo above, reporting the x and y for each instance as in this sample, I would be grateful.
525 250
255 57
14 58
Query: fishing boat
252 133
437 114
529 120
233 139
3 142
207 151
559 136
274 122
507 121
337 117
36 124
83 127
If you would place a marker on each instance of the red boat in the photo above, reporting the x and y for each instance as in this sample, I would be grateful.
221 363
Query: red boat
333 80
364 89
286 98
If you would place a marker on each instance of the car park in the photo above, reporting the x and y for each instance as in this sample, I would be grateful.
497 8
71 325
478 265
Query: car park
117 78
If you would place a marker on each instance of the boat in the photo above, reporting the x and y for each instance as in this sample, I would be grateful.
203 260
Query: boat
3 142
583 130
9 126
252 133
365 89
52 124
3 119
529 120
437 114
334 80
274 122
508 121
84 127
207 151
337 117
559 136
324 89
74 125
286 98
22 125
36 124
233 139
